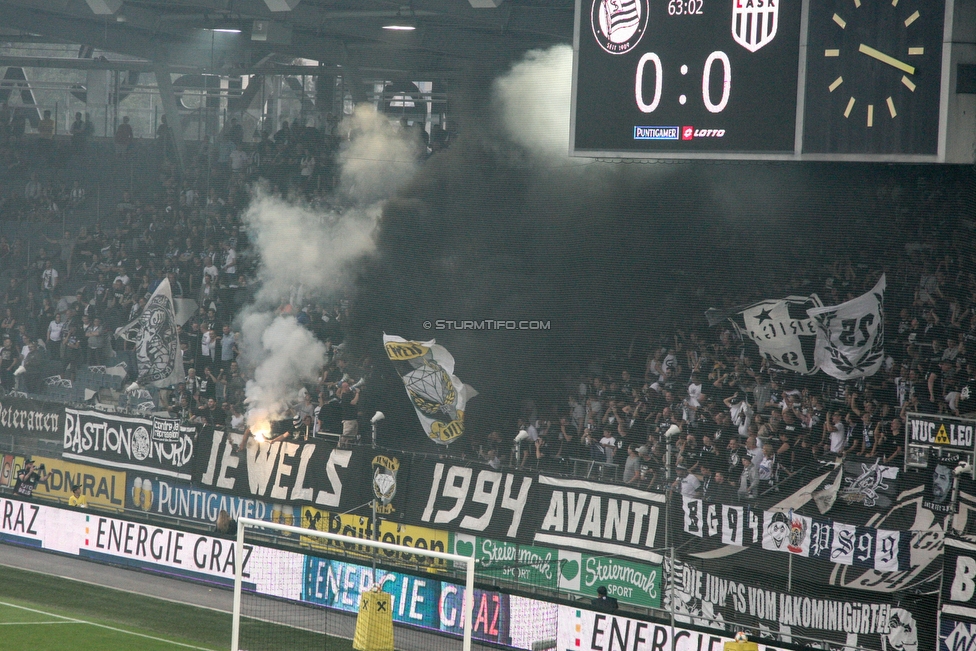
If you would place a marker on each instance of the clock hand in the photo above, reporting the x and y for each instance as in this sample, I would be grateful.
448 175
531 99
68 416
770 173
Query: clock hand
884 58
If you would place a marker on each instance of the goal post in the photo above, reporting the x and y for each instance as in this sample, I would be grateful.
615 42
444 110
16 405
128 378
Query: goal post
250 524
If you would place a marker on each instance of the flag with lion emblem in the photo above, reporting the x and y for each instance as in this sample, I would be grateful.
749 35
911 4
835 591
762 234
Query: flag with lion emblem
850 336
437 395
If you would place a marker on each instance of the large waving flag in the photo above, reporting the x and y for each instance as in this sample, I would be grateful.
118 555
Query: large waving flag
157 346
780 328
438 396
850 336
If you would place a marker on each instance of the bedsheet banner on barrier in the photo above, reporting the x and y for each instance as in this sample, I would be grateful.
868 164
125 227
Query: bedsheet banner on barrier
23 417
536 509
125 443
315 473
959 580
837 616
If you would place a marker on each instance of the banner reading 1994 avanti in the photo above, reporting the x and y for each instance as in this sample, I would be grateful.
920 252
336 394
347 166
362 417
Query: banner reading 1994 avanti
533 509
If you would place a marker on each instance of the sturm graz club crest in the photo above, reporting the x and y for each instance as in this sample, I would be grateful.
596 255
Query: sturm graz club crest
618 25
385 482
754 22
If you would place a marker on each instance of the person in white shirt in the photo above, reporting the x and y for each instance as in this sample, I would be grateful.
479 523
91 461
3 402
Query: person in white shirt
837 433
230 260
49 277
686 482
54 331
210 269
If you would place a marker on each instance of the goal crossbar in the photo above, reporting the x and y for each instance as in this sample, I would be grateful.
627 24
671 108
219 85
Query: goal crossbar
244 523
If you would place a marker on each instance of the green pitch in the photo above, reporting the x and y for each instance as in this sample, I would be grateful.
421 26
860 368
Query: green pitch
39 612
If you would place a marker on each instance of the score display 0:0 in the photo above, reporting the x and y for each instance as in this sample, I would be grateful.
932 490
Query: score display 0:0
685 7
712 107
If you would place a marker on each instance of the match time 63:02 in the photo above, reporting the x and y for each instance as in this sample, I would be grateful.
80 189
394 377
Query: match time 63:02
685 7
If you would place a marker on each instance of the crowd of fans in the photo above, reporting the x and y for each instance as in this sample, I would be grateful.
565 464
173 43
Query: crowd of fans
63 298
705 414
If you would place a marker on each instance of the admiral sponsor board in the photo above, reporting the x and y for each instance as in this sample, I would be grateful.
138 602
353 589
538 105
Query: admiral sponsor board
566 571
20 416
313 473
124 442
101 487
181 500
536 509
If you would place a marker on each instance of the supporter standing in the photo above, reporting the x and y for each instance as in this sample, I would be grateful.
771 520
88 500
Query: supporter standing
28 477
123 138
45 128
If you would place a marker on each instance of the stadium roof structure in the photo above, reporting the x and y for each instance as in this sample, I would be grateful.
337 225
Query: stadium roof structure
437 39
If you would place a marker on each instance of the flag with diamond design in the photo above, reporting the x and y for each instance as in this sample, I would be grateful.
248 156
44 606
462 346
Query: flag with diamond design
437 395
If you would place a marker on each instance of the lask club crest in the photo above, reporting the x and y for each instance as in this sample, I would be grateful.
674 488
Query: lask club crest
754 22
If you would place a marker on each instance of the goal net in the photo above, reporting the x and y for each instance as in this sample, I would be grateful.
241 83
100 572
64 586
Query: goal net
298 589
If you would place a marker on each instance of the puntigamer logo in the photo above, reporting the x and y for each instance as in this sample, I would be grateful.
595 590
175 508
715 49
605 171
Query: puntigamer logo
655 133
618 25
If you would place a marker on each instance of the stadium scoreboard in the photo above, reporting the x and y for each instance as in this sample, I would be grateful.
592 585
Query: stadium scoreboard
860 80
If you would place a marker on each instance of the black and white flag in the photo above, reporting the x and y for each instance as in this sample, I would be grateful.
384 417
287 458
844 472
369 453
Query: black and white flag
850 336
157 346
782 330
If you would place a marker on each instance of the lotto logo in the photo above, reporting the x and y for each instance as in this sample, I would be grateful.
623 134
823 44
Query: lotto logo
690 133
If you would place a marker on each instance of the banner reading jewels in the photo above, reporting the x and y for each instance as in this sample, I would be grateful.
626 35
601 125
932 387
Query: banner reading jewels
125 442
313 473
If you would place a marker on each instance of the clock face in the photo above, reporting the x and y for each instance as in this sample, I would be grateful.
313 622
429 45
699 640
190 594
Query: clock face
686 76
874 71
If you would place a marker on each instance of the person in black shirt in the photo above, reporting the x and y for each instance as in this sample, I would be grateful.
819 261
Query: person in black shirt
720 491
889 437
28 477
602 602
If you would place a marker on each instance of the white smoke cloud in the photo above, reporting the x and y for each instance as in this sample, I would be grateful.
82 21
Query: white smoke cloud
306 254
301 246
533 101
379 158
290 355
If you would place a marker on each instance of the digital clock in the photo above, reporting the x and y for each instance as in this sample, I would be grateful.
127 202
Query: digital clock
686 7
686 76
